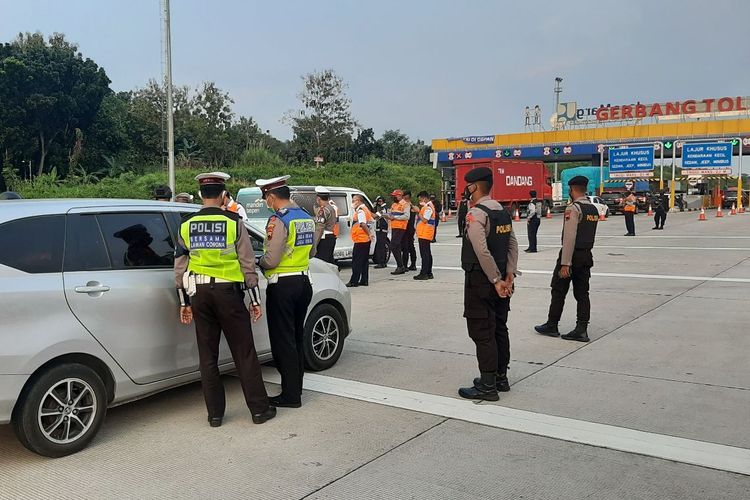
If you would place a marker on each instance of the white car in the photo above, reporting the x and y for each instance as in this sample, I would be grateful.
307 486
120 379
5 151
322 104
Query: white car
600 205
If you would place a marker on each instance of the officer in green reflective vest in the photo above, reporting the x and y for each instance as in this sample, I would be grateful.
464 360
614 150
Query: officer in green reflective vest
289 244
214 265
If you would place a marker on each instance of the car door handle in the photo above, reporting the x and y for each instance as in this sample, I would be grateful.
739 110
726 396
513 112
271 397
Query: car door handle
92 289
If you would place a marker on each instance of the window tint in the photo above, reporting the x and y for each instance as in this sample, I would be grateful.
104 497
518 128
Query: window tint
306 201
137 240
33 245
341 203
84 245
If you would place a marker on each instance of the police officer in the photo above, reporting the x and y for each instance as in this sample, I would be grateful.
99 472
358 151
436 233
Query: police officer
290 235
381 233
326 224
574 263
399 217
463 209
489 256
214 262
533 220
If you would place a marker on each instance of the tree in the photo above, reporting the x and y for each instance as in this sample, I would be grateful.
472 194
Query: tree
48 90
324 125
395 146
366 146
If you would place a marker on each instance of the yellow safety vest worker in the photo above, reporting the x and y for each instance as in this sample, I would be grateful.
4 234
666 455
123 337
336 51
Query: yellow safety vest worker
300 238
211 241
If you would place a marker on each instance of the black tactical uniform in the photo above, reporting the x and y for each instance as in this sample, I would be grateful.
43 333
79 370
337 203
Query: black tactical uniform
489 251
579 233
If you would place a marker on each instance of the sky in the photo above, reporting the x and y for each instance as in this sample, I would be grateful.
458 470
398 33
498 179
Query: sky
432 69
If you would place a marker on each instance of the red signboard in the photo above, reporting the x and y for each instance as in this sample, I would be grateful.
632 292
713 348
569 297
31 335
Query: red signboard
672 108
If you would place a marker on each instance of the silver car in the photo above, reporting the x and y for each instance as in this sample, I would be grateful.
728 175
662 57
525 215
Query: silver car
89 315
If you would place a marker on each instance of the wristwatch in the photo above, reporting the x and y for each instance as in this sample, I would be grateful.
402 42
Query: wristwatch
495 281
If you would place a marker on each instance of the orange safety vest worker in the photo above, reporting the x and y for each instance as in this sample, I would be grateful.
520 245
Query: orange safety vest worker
360 234
336 228
398 208
427 222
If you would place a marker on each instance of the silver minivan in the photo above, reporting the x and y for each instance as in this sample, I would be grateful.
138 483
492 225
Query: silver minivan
257 211
89 315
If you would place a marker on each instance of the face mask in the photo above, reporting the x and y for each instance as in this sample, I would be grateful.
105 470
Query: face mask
268 203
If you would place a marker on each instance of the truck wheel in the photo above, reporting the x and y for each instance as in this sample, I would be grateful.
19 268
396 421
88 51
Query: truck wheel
61 411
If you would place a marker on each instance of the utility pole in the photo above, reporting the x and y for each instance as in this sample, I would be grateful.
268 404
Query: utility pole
167 42
558 90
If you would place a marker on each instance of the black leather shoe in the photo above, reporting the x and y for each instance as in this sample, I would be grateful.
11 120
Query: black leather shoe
259 418
399 270
430 276
579 333
380 266
352 285
460 236
365 283
528 250
214 422
548 329
411 268
421 277
501 382
483 393
280 402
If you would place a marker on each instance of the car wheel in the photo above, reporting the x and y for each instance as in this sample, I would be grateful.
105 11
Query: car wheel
325 330
61 411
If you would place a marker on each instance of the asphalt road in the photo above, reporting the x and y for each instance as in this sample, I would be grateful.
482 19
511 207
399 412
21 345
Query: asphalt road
655 407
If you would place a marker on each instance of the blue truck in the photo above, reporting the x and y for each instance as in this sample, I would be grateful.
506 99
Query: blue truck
593 175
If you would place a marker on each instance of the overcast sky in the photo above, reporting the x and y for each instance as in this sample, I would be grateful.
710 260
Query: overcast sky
430 68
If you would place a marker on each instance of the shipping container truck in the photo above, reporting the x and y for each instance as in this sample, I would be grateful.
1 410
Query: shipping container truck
512 181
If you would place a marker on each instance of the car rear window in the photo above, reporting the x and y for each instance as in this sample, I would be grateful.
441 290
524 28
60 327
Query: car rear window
33 244
137 240
84 245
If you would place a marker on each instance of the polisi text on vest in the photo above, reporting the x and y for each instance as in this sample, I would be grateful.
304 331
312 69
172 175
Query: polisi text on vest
208 227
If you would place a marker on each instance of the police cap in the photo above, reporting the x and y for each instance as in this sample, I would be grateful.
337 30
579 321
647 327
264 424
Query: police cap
478 175
579 180
219 178
267 185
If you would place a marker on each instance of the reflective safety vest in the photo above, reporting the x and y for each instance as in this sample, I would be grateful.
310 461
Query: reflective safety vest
426 228
300 229
498 240
360 234
336 227
232 206
398 209
211 240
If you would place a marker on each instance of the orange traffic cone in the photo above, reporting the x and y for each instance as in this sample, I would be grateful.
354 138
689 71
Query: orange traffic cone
549 213
444 218
734 210
702 216
742 209
516 215
602 217
719 212
650 211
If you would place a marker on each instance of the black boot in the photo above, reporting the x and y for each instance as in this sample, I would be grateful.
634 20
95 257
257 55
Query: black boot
579 333
501 382
549 329
399 270
485 390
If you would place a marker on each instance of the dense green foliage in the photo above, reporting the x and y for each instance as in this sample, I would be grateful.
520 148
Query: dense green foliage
374 177
62 125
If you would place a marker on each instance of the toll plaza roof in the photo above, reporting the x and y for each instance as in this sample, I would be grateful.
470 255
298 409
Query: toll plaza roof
575 144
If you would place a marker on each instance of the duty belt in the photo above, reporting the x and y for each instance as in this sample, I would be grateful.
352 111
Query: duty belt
274 278
202 279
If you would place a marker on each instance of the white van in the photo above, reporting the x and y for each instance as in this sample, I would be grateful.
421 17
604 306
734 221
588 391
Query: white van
258 213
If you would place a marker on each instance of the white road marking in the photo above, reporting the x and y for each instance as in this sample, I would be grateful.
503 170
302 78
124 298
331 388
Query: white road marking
628 275
689 451
624 247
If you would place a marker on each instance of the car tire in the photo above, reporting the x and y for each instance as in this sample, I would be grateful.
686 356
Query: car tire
52 427
325 330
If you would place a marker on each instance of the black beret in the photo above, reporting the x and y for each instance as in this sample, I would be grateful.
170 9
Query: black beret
479 174
579 180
